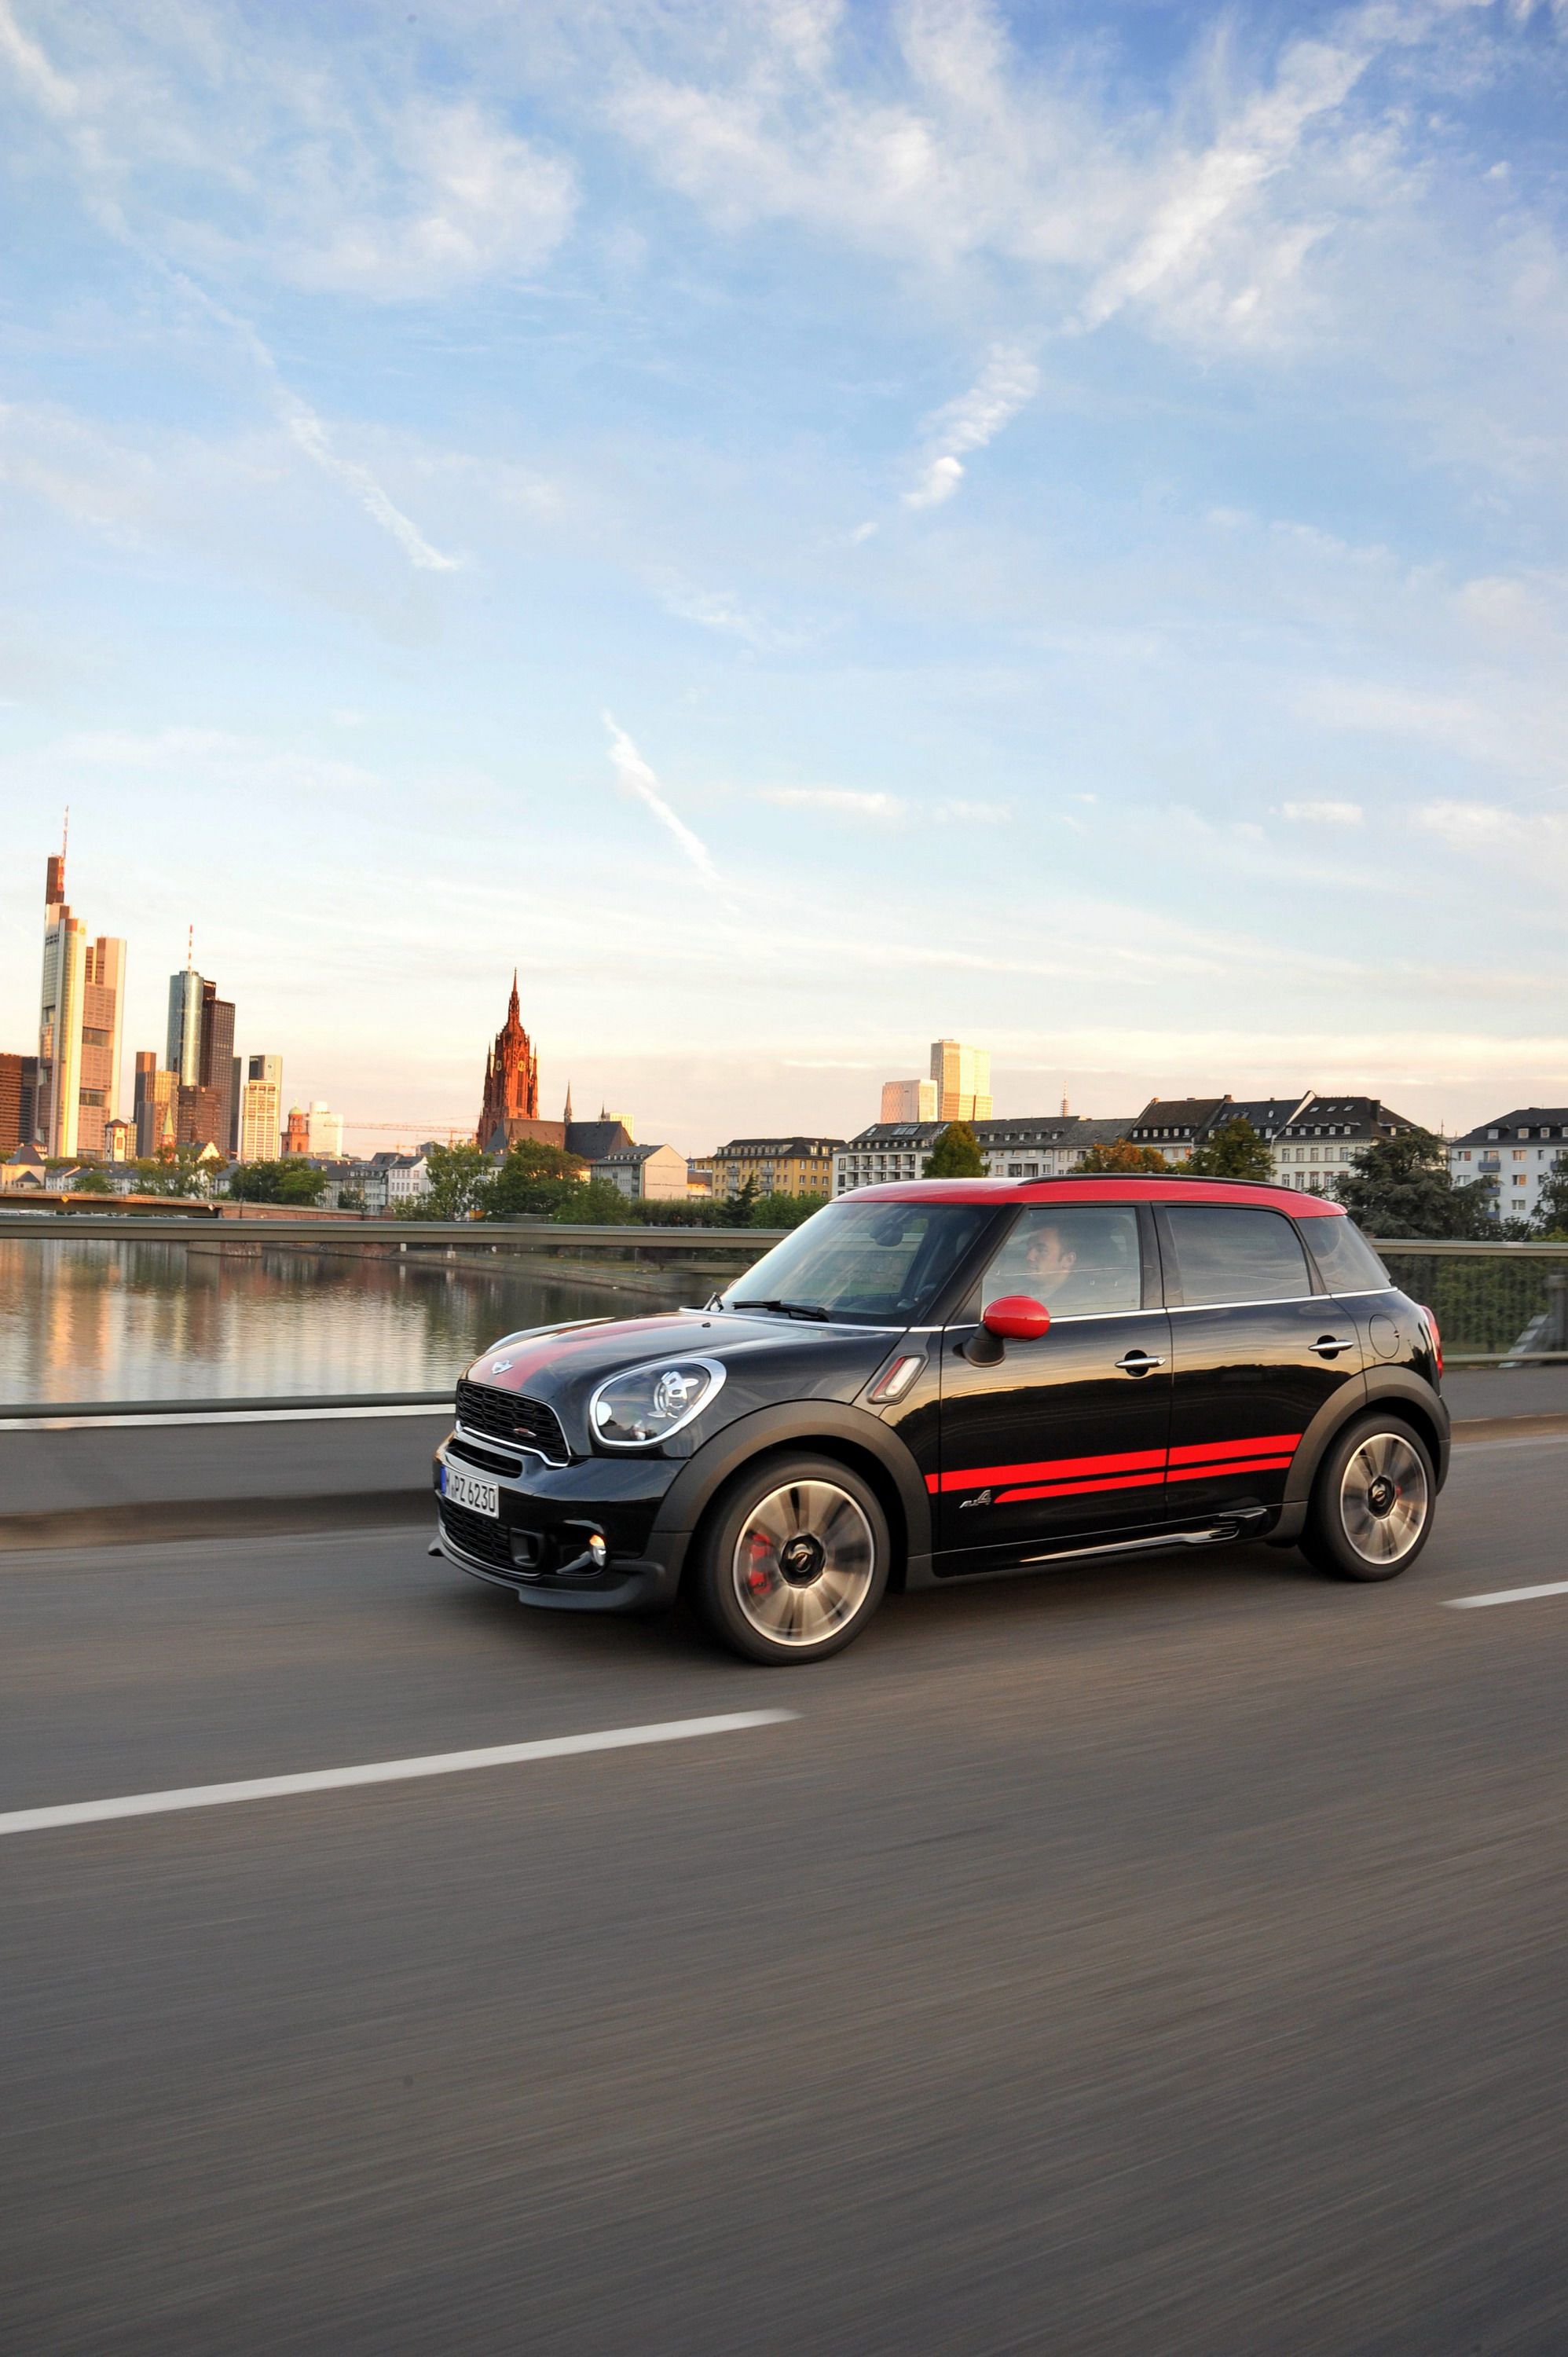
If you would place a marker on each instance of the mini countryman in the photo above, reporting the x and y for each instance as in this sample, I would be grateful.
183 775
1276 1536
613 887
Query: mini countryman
930 1381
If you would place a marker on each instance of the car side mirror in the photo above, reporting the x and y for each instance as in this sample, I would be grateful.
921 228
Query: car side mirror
1017 1317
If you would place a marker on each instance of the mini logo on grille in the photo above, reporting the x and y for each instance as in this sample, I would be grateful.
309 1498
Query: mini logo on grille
500 1366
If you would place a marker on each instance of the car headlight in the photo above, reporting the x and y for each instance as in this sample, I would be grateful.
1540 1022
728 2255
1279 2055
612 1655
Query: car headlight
647 1404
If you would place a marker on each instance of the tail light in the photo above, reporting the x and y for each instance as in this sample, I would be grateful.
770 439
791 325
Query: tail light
1436 1337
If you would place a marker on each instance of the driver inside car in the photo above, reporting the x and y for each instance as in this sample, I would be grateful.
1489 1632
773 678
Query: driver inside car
1075 1264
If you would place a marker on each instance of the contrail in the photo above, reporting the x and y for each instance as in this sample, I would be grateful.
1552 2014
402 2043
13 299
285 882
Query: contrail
638 778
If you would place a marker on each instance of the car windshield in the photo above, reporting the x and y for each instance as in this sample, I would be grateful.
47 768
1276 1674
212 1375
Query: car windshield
870 1263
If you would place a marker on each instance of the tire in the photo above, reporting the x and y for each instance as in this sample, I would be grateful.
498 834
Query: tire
1372 1501
794 1561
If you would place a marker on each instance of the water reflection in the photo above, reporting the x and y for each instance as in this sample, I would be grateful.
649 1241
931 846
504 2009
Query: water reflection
82 1320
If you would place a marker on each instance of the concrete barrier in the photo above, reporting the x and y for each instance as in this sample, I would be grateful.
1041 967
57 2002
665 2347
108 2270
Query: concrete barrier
97 1478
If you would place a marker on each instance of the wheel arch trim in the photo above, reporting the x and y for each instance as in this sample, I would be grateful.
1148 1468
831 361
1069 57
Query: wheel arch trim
826 1426
1386 1386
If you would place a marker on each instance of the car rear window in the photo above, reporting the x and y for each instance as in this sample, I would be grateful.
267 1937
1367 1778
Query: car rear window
1346 1261
1231 1254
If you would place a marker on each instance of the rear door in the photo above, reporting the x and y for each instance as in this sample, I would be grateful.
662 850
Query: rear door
1258 1348
1064 1436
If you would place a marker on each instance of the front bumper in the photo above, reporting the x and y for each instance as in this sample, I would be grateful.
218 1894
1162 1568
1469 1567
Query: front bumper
538 1545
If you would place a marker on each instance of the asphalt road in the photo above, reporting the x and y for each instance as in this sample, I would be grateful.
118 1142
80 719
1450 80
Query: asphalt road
1168 1960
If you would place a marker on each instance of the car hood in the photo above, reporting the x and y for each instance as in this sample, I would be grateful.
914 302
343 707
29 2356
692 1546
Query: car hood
766 1359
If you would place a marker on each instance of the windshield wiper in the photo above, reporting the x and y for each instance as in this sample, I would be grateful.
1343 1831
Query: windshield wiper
785 1308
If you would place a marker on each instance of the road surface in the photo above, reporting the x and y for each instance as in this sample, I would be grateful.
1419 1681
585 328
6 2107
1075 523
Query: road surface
1171 1959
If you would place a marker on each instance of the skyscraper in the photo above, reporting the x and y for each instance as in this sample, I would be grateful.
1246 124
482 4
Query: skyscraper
962 1076
156 1105
200 1050
261 1116
80 1011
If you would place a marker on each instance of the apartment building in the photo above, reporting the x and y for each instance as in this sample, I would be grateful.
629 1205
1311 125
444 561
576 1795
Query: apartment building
1513 1155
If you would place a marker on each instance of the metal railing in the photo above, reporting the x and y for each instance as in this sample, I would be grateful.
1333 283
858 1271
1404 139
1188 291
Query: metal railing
1498 1305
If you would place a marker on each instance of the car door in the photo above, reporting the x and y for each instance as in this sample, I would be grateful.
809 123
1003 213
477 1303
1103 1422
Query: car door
1257 1347
1063 1437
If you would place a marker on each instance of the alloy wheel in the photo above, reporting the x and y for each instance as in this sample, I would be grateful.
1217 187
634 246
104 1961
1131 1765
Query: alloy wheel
803 1562
1383 1498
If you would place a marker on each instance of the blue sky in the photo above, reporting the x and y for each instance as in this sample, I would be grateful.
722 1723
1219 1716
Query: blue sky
804 527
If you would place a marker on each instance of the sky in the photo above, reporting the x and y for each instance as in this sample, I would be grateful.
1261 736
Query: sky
804 528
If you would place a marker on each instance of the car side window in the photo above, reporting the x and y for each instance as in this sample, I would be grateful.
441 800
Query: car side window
1081 1261
1226 1253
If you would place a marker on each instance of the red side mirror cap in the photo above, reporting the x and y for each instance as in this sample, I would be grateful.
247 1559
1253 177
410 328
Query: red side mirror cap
1017 1317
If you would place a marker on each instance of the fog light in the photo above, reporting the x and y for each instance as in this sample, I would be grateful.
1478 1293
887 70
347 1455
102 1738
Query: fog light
599 1553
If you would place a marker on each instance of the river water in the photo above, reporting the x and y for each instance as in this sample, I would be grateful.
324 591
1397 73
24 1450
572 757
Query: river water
83 1320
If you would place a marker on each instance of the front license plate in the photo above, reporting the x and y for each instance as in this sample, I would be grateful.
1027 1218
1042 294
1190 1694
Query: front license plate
471 1489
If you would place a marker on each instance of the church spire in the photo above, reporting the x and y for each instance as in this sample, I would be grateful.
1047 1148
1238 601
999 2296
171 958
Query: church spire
513 1014
567 1116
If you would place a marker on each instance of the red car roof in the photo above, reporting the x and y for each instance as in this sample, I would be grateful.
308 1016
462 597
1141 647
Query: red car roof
1129 1189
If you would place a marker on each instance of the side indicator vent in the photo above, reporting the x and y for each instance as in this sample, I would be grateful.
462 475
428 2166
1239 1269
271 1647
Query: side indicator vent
896 1380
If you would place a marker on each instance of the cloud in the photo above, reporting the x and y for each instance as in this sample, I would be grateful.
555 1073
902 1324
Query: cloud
840 802
1325 814
718 610
460 198
638 779
1007 382
969 814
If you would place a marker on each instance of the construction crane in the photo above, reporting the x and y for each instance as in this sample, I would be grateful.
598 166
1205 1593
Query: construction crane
454 1136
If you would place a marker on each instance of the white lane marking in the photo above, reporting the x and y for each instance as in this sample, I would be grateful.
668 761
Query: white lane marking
1508 1596
382 1771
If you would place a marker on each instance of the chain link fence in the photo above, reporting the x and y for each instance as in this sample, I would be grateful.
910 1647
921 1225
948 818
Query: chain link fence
1497 1305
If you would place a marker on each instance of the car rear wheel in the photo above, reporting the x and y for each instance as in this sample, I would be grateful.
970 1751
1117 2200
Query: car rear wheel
1372 1501
794 1563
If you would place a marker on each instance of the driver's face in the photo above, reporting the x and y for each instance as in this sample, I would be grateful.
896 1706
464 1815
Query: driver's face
1048 1259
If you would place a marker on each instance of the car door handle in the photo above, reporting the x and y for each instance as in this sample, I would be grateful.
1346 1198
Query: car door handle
1139 1363
1328 1346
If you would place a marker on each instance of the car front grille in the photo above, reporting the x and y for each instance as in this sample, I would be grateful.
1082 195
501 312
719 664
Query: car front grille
490 1460
503 1415
477 1535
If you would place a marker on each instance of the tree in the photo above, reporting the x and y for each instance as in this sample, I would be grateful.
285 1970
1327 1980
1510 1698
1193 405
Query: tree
290 1181
956 1153
91 1182
784 1210
177 1170
598 1204
736 1210
534 1178
1119 1159
458 1184
1551 1206
1234 1152
1403 1187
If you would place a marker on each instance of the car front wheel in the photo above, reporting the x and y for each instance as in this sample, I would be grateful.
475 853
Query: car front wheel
794 1563
1372 1501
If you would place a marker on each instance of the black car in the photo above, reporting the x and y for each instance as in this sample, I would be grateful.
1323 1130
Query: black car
943 1378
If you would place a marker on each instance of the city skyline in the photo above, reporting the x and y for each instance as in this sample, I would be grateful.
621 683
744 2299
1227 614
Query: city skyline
808 529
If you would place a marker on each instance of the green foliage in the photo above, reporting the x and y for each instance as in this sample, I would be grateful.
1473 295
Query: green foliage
599 1204
736 1210
1403 1187
1236 1151
289 1181
784 1210
351 1199
673 1211
177 1170
457 1185
1551 1209
91 1182
1120 1157
536 1179
956 1153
